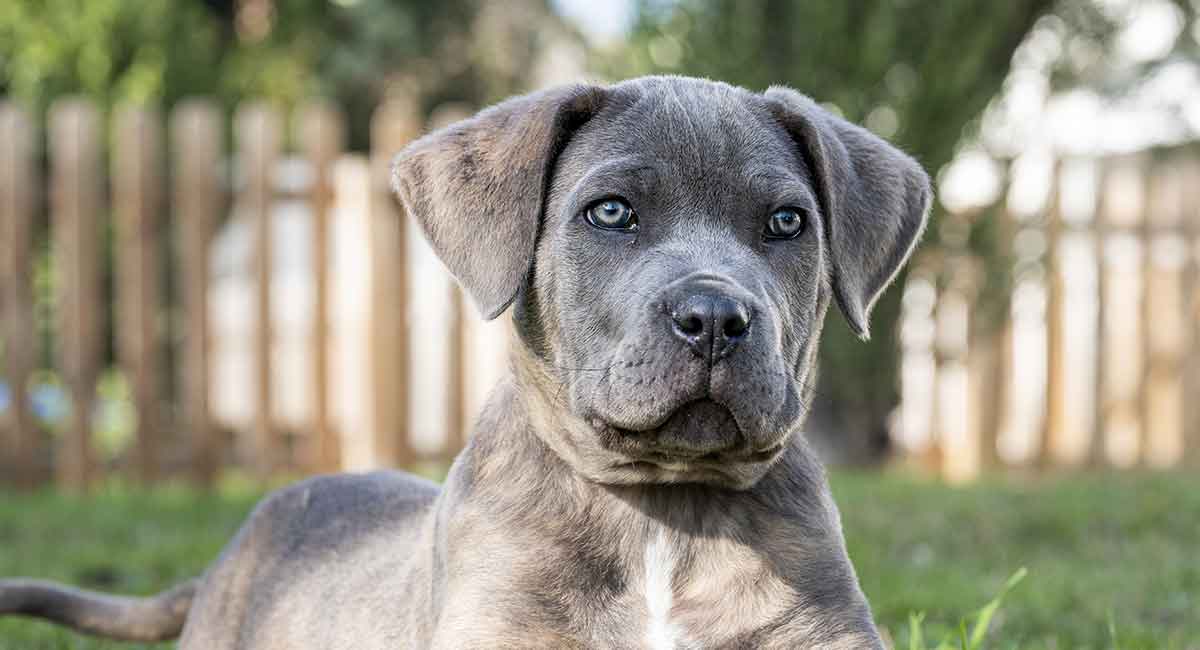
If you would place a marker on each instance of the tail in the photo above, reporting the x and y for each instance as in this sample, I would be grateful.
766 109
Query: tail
154 618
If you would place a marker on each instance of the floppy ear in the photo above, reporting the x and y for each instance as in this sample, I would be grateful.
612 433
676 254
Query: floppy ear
477 187
875 199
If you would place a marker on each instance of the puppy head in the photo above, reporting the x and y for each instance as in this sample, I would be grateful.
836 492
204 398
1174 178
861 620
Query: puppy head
671 246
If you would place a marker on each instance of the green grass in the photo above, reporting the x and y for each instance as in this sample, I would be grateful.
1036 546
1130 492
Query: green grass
1104 549
1113 561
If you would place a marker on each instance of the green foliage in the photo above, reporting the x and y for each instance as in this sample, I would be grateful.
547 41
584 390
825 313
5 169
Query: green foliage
110 50
354 51
918 72
1098 548
979 629
120 540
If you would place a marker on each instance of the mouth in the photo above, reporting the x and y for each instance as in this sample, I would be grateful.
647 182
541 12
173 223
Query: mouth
699 437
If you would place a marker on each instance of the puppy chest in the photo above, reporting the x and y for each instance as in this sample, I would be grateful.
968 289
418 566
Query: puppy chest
703 594
659 595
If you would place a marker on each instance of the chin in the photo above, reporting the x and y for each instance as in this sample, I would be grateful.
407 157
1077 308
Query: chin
735 476
699 443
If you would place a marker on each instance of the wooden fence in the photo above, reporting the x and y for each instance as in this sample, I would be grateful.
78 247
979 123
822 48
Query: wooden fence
1096 361
142 240
133 238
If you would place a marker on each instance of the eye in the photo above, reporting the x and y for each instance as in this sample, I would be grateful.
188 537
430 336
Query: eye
785 223
612 214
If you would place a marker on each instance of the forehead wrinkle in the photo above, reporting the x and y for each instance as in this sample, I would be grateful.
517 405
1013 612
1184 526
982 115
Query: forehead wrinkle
774 183
692 127
697 143
614 169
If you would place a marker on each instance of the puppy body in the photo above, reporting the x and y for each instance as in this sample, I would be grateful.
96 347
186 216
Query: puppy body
519 551
669 248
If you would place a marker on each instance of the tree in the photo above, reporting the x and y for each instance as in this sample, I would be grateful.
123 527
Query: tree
352 51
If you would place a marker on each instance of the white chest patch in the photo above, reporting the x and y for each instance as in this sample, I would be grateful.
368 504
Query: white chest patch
659 566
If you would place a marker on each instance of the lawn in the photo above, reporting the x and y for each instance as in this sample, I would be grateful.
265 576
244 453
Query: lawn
1107 555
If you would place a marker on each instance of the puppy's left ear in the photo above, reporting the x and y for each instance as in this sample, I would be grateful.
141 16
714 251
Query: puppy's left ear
875 200
478 187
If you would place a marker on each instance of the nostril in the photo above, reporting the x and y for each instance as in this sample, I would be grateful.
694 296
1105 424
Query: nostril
689 324
734 318
735 327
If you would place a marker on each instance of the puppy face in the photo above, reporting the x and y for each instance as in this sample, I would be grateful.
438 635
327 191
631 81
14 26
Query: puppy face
681 278
672 246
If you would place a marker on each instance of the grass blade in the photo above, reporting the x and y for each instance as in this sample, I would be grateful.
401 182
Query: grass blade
916 638
984 618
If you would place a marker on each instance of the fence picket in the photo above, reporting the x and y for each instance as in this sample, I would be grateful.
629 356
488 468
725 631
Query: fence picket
20 460
258 133
322 135
393 125
136 193
78 232
1165 327
197 202
1189 174
1123 352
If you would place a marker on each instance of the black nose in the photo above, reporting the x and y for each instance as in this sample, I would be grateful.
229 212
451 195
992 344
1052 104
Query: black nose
711 324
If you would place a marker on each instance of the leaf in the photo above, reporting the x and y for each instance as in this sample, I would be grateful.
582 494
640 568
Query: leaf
984 617
916 639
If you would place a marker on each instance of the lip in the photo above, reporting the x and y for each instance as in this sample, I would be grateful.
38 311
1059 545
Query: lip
662 420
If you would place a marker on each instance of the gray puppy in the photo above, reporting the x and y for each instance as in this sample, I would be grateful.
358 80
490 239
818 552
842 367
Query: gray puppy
669 247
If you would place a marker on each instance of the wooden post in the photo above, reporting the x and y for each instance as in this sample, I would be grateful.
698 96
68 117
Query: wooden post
913 435
1190 180
393 125
17 179
991 358
1122 353
79 241
322 137
989 379
1097 455
196 143
1070 430
137 201
957 430
1053 432
1164 315
258 141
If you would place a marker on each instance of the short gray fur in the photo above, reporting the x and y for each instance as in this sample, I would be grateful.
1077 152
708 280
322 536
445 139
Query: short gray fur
621 489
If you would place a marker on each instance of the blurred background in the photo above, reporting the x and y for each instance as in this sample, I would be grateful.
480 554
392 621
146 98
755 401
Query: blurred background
188 185
203 273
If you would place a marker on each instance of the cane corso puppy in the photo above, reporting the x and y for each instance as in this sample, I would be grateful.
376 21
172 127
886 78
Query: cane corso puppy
668 248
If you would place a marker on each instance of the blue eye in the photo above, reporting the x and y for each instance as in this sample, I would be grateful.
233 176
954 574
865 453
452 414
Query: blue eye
785 223
612 214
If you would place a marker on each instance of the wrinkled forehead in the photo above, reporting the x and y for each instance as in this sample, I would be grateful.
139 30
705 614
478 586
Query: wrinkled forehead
692 130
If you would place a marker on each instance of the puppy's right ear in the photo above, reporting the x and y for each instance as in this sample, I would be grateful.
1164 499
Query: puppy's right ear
478 187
